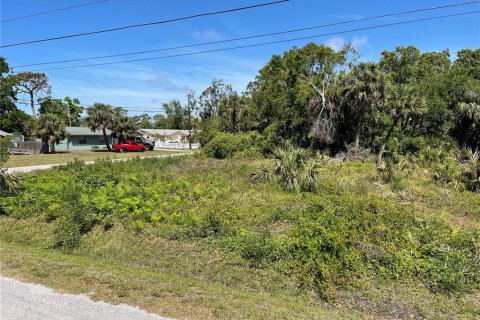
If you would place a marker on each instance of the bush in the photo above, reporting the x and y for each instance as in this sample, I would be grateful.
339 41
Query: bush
330 248
472 169
293 170
9 183
429 156
448 173
418 145
5 145
394 171
227 145
257 248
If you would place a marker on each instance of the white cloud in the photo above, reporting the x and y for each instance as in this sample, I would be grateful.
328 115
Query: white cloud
149 84
359 42
206 35
337 43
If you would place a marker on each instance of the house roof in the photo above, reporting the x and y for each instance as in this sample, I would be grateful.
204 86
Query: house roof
3 133
165 132
85 131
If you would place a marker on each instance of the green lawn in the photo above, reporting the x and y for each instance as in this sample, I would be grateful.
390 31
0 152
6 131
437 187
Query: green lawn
39 159
195 238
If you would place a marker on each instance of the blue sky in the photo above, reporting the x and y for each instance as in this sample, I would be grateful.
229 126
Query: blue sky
145 85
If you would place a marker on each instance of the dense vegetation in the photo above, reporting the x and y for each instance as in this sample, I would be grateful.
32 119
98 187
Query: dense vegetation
335 175
315 96
326 239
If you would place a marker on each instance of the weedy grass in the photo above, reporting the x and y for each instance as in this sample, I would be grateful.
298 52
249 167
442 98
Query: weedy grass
41 159
357 247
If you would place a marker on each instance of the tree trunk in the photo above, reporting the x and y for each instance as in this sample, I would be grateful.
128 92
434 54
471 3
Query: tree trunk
106 139
32 105
358 130
234 117
190 138
45 148
385 140
52 147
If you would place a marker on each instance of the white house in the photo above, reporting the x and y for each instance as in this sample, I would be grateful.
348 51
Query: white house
166 135
168 138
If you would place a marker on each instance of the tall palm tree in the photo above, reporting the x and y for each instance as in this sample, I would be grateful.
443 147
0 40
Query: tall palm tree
364 91
101 116
125 128
51 130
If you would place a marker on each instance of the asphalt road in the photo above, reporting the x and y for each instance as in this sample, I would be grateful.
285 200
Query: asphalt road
20 300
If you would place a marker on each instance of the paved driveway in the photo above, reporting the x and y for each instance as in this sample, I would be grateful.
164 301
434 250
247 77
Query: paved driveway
20 300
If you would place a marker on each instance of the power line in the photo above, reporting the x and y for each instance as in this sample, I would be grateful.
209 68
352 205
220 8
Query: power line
52 11
128 110
263 43
250 37
147 23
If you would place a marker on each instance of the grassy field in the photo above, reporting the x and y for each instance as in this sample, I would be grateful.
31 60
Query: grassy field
195 238
39 159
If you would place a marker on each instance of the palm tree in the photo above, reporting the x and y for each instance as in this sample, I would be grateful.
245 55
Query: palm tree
51 130
101 116
402 102
125 128
364 91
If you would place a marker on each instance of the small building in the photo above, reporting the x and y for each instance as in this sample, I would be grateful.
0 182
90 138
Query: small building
82 138
166 135
169 138
4 134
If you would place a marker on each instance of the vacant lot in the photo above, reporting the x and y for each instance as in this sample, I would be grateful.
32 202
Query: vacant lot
196 238
39 159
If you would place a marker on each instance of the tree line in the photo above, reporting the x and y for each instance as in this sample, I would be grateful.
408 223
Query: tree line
320 98
313 96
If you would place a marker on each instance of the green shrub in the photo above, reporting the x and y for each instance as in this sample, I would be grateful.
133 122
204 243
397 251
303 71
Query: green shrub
395 169
293 169
429 156
67 233
9 183
330 248
472 169
418 145
257 248
227 145
448 173
5 145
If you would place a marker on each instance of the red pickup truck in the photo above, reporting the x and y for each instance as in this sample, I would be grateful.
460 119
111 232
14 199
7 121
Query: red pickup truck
129 146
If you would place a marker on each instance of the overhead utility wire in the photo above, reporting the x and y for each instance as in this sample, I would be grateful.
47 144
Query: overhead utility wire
52 11
147 23
249 37
129 109
263 43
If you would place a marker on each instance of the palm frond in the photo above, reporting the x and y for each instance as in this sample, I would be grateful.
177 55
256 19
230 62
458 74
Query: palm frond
262 175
